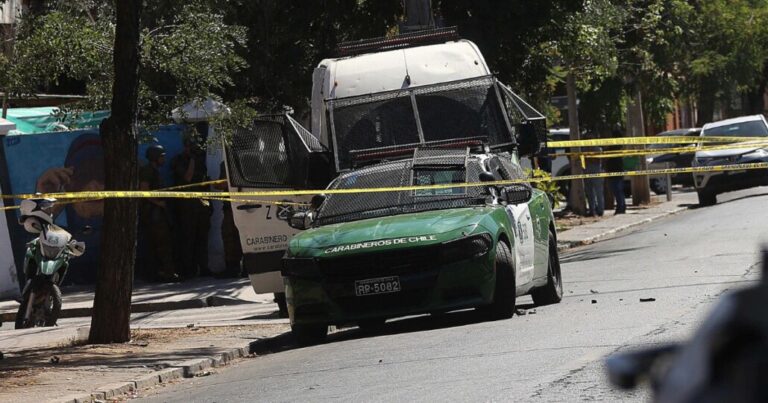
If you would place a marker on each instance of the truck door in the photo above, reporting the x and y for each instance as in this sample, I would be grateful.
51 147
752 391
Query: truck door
275 153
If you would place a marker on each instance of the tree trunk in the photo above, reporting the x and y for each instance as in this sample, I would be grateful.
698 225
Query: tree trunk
755 97
577 200
641 189
706 106
112 304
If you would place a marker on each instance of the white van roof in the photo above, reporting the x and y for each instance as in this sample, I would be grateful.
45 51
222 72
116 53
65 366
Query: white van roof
389 70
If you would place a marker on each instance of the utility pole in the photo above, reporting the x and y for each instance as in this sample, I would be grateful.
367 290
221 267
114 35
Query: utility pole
577 200
641 190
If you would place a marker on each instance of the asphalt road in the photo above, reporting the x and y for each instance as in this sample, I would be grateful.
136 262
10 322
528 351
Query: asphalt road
553 353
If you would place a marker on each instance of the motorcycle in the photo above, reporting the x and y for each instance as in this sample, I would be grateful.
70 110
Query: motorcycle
45 264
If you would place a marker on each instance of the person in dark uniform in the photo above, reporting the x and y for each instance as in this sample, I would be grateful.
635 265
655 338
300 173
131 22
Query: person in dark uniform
193 215
154 221
616 183
233 250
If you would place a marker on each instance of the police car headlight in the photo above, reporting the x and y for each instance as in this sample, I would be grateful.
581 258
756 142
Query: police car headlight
300 267
466 248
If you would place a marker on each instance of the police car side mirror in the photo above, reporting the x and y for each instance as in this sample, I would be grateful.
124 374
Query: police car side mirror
300 220
516 194
317 201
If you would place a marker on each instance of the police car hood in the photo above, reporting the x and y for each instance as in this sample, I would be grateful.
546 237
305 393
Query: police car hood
404 230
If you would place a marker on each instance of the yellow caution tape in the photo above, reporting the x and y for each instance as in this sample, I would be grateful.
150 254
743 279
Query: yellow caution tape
208 183
283 193
192 185
271 202
674 150
618 141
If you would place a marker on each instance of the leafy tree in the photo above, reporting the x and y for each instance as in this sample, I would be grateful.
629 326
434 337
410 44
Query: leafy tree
514 38
158 65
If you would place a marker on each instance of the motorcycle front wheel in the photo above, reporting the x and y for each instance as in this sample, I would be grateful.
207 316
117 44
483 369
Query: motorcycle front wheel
49 309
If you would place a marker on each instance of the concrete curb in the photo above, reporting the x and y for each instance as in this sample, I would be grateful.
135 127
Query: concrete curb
564 246
186 369
141 307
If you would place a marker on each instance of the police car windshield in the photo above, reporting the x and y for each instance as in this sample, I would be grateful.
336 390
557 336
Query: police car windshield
357 206
754 128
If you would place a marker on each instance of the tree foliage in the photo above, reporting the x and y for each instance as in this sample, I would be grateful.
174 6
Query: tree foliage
194 54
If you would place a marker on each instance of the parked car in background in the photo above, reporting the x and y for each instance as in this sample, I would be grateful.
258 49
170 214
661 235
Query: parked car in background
671 160
710 184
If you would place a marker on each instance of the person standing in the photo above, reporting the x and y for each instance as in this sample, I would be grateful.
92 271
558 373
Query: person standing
616 183
154 220
193 215
594 186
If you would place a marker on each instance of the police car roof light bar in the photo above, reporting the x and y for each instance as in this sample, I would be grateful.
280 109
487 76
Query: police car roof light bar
411 39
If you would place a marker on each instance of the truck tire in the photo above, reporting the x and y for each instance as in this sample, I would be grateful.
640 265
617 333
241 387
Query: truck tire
503 305
307 335
552 293
707 198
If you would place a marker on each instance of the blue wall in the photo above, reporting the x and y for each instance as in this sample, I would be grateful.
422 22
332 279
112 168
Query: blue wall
73 161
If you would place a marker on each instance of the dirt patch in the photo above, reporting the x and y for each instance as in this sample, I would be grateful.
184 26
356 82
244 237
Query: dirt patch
54 372
569 220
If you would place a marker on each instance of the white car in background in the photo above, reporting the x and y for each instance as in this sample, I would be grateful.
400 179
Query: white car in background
710 184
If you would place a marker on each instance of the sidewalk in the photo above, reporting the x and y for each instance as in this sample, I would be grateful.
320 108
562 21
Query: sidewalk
197 293
610 224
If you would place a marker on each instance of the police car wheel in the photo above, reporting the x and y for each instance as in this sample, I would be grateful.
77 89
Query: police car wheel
552 293
307 335
503 305
707 198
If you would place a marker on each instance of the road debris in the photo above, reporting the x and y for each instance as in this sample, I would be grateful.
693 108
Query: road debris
594 291
520 312
647 299
594 301
55 359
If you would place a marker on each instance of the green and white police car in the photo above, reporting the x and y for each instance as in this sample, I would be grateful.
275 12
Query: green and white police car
366 257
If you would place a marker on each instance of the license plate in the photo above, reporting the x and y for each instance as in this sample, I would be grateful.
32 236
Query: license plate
373 286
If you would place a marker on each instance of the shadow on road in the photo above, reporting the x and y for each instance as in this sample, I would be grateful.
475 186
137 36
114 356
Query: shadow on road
285 341
589 254
726 201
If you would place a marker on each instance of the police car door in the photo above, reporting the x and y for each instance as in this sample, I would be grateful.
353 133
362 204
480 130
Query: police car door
522 230
276 153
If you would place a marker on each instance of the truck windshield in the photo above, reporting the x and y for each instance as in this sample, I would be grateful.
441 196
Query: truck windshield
754 128
351 207
447 111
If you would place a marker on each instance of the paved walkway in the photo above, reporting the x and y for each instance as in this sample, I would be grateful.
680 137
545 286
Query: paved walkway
610 224
197 293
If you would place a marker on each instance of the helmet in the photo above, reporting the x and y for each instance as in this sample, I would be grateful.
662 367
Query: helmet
35 213
154 152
